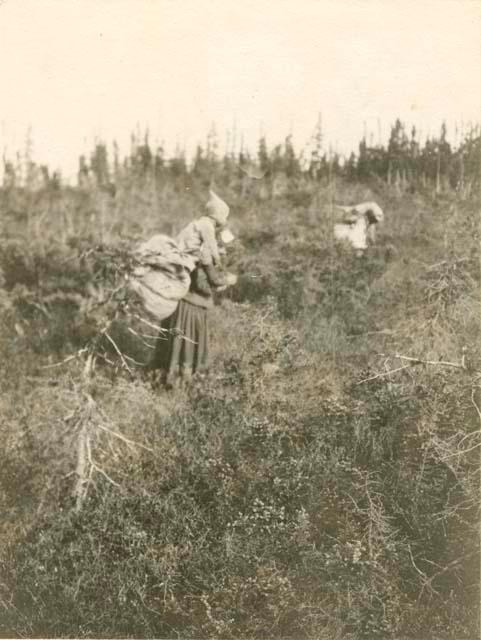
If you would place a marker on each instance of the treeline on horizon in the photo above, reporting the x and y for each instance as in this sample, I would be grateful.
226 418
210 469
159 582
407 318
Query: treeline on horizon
404 162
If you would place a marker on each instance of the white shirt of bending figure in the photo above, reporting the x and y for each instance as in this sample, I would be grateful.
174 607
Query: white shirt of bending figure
357 233
359 226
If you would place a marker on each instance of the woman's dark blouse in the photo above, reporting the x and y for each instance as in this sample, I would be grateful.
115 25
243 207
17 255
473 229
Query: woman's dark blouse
204 279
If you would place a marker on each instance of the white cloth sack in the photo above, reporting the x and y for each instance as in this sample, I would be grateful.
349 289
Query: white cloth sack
162 277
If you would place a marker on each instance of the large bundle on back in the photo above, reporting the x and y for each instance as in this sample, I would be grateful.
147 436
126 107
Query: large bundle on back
162 276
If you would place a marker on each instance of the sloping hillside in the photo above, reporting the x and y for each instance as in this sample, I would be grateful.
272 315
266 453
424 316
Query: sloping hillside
322 481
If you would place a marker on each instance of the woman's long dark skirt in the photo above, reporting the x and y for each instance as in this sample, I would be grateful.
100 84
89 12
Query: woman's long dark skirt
184 349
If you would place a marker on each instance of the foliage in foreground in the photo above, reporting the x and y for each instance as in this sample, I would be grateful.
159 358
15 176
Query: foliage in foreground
299 489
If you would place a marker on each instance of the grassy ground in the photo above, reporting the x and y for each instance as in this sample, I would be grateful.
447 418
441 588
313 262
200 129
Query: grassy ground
299 489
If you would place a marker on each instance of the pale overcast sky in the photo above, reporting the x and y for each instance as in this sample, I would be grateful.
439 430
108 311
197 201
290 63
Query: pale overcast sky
76 69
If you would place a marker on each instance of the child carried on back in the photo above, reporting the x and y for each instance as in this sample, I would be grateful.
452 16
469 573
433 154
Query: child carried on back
198 238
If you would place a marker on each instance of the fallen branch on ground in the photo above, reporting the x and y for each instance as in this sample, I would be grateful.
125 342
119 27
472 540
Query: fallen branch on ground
123 438
384 373
418 361
59 364
442 363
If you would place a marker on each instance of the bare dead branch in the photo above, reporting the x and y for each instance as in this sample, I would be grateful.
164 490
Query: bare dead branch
139 364
431 362
478 411
123 438
120 354
443 262
95 467
384 373
149 324
140 337
416 361
107 360
462 452
448 567
105 474
179 334
425 579
469 435
59 364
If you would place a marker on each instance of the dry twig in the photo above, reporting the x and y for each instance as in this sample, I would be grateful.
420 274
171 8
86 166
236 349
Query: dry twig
94 467
416 361
384 373
123 438
120 354
59 364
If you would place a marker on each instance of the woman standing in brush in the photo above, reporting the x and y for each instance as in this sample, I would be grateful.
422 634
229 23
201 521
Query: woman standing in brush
183 345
